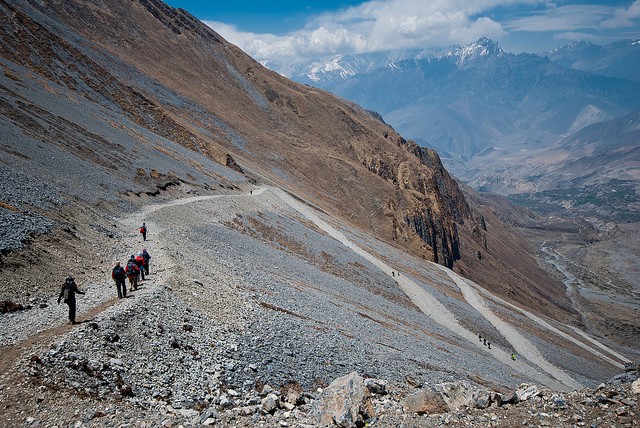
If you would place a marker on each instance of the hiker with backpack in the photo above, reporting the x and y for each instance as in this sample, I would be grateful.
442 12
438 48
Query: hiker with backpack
119 276
132 270
68 293
143 230
140 262
146 257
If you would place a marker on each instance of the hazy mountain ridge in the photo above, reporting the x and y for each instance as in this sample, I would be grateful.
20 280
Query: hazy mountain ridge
340 67
477 96
595 170
619 59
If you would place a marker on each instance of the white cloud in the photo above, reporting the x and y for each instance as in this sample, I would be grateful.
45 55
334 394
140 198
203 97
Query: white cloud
578 17
377 25
624 17
575 36
391 24
565 18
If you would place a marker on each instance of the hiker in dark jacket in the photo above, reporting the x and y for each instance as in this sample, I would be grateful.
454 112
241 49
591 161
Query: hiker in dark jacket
119 276
143 230
132 271
68 293
146 256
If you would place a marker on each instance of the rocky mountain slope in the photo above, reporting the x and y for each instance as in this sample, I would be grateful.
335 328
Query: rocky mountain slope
114 113
537 128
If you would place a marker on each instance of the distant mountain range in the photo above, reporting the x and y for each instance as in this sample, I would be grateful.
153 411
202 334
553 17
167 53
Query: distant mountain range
470 101
618 59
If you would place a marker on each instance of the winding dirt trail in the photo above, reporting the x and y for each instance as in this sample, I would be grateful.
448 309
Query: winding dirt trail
551 375
472 295
517 341
37 334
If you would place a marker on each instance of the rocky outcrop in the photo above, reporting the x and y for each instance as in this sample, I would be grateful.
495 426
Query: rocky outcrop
447 397
429 202
346 403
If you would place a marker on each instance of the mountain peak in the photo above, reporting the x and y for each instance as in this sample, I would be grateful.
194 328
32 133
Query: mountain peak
484 47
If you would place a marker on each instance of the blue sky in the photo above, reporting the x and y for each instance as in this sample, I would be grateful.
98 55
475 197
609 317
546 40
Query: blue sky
291 30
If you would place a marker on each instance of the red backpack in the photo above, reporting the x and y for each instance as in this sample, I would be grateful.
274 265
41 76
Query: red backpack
132 268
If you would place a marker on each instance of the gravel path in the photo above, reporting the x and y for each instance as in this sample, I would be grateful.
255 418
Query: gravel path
431 307
519 343
472 291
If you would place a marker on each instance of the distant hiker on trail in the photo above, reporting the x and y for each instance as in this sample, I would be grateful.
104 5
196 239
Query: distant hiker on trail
140 262
480 337
489 345
513 356
119 276
132 271
146 256
143 230
485 342
68 293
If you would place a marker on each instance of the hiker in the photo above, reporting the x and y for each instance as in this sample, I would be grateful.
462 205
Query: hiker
140 262
489 345
132 271
68 293
146 256
119 276
143 230
480 337
485 342
513 356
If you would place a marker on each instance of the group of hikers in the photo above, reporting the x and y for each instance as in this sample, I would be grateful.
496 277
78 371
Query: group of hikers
488 344
136 269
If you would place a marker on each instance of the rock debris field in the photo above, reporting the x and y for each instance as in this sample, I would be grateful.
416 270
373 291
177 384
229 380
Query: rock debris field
254 316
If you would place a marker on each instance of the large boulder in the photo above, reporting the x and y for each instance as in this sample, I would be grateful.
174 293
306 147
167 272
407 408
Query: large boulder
449 396
525 392
425 402
456 394
345 402
440 398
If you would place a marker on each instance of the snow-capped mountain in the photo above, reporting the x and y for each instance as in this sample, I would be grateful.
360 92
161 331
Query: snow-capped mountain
470 99
341 67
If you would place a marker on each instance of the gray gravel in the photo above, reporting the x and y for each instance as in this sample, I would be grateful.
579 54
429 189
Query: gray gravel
242 294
